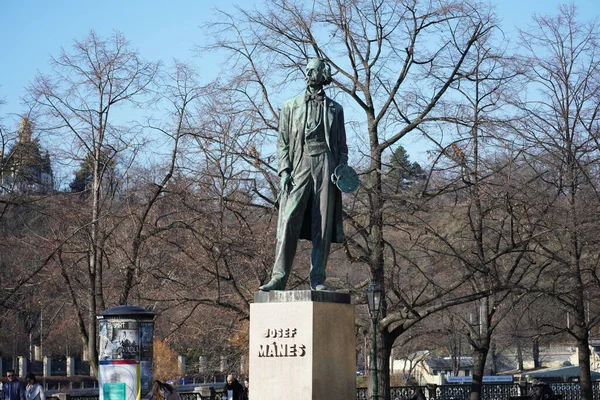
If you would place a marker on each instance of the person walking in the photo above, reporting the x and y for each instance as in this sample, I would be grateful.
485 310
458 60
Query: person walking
246 395
164 391
541 391
33 390
12 389
233 390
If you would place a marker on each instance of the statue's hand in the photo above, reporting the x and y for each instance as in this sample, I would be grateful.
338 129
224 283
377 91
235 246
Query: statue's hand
286 182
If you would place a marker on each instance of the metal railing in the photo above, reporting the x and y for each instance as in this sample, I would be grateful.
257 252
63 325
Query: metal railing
497 391
568 391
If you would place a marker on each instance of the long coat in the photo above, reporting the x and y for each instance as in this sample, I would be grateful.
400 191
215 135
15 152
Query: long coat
290 146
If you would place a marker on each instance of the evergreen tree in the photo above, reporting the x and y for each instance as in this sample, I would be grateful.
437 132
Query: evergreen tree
403 172
82 181
26 168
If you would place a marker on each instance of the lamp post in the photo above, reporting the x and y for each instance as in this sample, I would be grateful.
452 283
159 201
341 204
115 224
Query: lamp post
374 301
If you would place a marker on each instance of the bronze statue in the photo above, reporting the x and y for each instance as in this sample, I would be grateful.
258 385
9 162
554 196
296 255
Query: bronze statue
311 144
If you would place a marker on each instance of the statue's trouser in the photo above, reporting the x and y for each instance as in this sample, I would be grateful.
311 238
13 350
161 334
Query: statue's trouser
312 184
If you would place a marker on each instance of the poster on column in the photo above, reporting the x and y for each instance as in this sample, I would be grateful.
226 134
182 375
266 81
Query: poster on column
146 336
146 374
118 339
119 380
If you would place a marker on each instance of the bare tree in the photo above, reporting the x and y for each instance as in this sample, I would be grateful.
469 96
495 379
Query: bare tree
532 323
559 129
479 203
218 216
181 91
78 101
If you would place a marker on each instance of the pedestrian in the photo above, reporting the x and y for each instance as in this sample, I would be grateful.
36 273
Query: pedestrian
246 390
418 394
164 391
311 145
33 390
541 391
233 390
12 389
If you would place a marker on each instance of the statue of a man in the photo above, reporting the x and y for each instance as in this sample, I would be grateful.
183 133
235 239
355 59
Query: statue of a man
311 144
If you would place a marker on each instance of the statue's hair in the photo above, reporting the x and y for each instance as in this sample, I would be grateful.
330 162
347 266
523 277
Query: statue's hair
325 70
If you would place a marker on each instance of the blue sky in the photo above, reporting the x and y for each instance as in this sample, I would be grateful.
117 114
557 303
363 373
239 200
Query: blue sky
32 30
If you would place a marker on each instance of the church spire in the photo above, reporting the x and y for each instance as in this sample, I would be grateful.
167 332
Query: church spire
25 130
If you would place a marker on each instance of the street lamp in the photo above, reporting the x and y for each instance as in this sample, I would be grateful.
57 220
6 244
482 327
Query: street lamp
374 300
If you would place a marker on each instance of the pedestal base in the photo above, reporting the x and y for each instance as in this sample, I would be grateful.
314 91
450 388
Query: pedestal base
302 346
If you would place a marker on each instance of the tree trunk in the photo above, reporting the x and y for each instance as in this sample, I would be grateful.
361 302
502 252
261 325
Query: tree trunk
480 353
519 356
91 336
584 366
376 244
494 359
583 345
535 352
481 347
384 346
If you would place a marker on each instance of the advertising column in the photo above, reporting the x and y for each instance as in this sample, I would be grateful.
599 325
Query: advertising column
125 352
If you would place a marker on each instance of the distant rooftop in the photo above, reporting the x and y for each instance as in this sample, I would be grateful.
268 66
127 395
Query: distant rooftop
445 363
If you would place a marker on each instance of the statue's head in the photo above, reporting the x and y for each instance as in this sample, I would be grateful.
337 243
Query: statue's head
318 73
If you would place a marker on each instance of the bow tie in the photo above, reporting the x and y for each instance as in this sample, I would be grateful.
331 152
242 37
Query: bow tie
316 97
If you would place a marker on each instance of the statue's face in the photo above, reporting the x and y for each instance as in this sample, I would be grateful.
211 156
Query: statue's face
314 74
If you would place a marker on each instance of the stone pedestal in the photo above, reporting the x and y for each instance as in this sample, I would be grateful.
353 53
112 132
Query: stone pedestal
181 366
47 366
70 366
202 365
23 367
223 365
302 346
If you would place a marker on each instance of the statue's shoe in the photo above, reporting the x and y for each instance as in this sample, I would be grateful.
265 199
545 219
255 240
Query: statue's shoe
272 285
321 287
